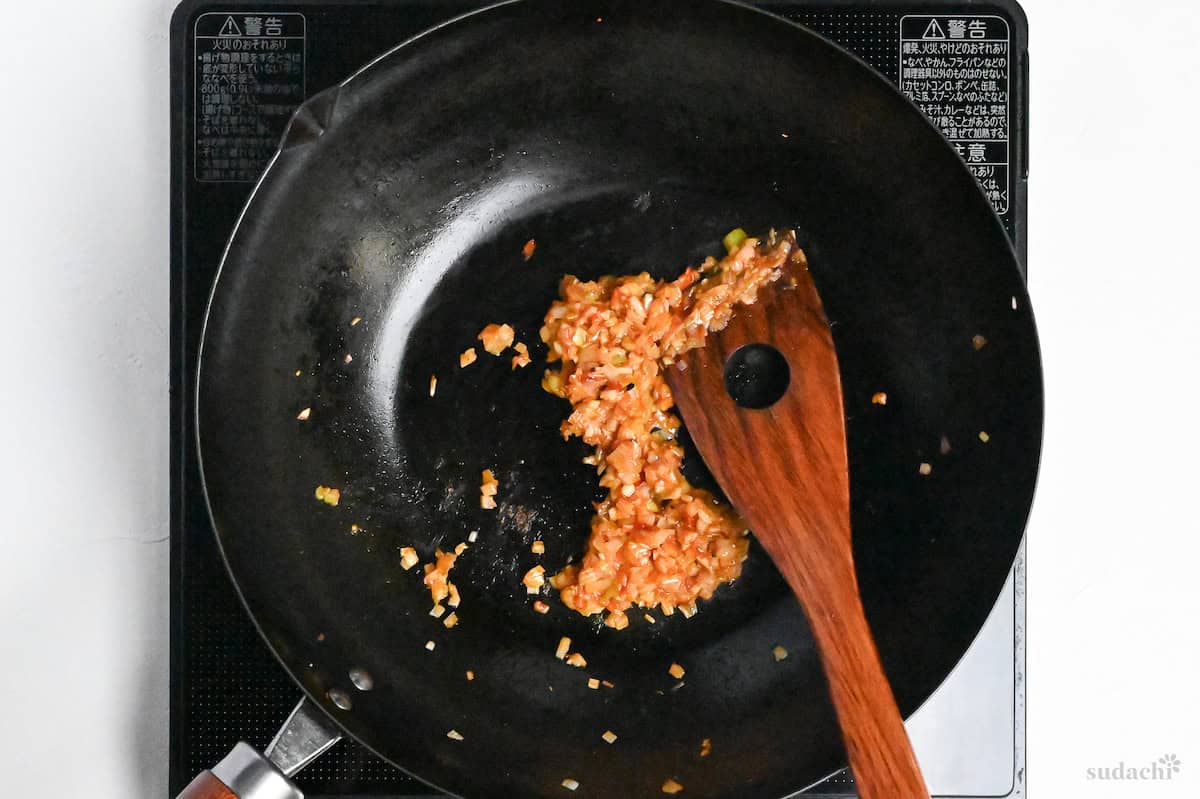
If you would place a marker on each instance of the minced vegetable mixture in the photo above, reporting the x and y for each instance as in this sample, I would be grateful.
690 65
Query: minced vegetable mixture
656 540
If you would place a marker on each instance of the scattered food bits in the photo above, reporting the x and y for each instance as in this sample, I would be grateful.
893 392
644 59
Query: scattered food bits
1014 303
408 558
528 249
616 620
355 529
460 548
944 446
564 646
451 621
299 372
706 747
355 321
437 611
349 358
926 469
330 496
879 398
593 683
470 675
437 574
521 359
487 490
984 437
467 358
538 547
734 239
496 338
672 787
541 607
979 342
649 618
304 414
534 579
432 385
607 684
609 737
780 654
454 599
570 784
577 660
430 645
552 383
676 671
473 537
320 636
454 735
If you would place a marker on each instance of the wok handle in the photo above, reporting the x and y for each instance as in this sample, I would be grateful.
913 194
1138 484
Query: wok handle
206 786
242 774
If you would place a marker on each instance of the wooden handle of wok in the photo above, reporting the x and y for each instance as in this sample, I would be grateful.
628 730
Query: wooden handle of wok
207 786
243 774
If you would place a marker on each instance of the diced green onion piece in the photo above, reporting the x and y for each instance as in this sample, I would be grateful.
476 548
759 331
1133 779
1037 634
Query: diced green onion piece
734 239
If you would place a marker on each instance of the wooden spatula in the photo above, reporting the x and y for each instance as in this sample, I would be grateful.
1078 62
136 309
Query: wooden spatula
780 457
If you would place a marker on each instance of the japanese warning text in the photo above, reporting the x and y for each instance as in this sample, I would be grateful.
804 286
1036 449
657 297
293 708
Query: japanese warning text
957 70
249 79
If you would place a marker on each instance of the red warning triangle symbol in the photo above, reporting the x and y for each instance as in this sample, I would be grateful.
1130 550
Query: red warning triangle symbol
934 31
230 28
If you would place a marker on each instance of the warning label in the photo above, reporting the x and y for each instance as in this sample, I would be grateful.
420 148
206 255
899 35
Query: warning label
250 76
957 69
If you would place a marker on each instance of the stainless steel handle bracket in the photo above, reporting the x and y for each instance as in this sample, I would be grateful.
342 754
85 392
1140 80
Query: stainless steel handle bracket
252 776
304 737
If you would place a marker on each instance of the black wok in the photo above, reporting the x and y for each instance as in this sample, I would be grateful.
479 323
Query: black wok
621 136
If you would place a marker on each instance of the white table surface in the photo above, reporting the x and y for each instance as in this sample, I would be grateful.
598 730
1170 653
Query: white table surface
1115 232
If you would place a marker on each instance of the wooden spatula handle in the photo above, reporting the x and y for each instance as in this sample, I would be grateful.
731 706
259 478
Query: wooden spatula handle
881 756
